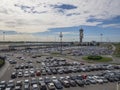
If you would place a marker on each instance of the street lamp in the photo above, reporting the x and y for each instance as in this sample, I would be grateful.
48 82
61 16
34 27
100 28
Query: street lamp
101 37
61 36
118 83
3 36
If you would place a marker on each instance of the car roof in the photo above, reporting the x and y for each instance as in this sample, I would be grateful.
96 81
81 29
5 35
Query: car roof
35 85
51 84
8 89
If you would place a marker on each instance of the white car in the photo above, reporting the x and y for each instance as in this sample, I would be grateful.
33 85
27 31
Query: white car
51 86
20 74
35 87
8 89
98 79
54 78
26 74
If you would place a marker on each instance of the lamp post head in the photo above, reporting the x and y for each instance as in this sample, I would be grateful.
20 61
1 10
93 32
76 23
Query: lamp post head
101 34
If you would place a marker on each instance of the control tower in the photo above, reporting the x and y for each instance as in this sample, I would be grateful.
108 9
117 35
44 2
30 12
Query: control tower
81 35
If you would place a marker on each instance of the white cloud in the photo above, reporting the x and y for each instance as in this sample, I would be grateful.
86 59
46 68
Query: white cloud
111 25
13 18
28 37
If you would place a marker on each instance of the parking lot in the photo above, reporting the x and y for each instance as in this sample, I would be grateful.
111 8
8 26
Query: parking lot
90 50
31 71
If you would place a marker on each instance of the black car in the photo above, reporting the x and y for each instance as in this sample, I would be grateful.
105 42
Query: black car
86 82
26 66
47 80
72 83
42 86
57 84
12 61
80 83
66 71
13 75
111 79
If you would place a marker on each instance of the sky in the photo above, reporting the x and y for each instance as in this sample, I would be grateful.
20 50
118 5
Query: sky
43 20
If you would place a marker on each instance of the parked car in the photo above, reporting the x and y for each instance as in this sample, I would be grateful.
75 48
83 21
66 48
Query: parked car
98 80
26 84
57 84
79 83
51 86
35 87
8 88
20 74
86 82
49 72
92 81
3 85
17 67
11 84
26 74
38 73
104 80
65 83
34 81
32 74
12 61
47 80
42 85
53 71
18 88
13 75
72 83
38 61
43 72
19 83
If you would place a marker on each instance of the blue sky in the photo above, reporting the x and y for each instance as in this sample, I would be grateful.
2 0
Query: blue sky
43 20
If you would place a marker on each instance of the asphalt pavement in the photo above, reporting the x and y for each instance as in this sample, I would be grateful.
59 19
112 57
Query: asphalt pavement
5 72
4 68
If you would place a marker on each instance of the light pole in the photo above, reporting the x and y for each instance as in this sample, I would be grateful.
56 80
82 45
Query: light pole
101 37
3 36
61 36
118 85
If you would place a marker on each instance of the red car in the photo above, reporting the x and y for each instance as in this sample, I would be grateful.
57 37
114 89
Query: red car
84 76
38 73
